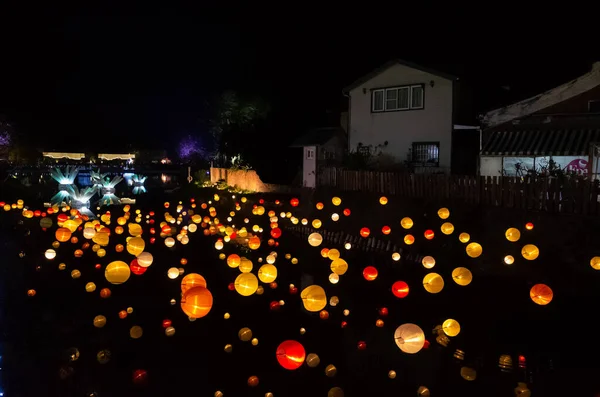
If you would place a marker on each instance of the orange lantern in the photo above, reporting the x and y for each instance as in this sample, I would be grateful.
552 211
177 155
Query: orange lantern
364 232
541 294
197 302
192 280
62 234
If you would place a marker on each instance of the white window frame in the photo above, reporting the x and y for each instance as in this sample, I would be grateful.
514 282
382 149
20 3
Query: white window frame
384 92
310 154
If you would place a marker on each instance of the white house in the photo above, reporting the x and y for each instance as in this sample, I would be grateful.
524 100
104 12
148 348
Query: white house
405 110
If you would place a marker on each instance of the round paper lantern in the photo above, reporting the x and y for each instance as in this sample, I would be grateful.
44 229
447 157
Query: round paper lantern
90 287
136 332
447 228
101 237
246 284
451 327
117 272
196 302
339 266
145 259
383 200
169 242
290 354
253 381
267 273
364 232
245 265
315 239
45 223
50 254
464 238
406 223
62 234
422 391
428 262
335 392
462 276
134 229
330 371
192 280
409 239
433 283
468 373
233 261
370 273
513 234
409 338
443 213
312 360
314 298
474 250
541 294
529 226
429 234
400 289
595 263
392 374
336 201
294 202
136 268
509 259
173 273
89 233
530 252
99 321
333 254
135 246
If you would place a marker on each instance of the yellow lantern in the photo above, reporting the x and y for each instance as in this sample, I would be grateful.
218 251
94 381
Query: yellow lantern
117 272
433 283
233 261
267 273
246 284
316 223
595 263
245 265
314 298
530 252
135 229
410 338
447 228
474 250
406 223
245 334
428 262
312 360
468 373
254 243
136 245
99 321
101 238
462 276
315 239
464 238
169 242
383 200
197 302
509 259
336 201
443 213
333 254
513 234
451 327
90 287
330 371
339 266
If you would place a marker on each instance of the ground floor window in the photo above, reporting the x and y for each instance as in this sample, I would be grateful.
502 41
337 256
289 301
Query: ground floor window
426 153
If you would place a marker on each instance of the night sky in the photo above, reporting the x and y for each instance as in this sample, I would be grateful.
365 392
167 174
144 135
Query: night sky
148 80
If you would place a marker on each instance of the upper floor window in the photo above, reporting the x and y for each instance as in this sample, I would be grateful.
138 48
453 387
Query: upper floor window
398 98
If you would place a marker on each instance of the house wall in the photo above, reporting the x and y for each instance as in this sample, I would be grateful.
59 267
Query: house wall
577 104
400 129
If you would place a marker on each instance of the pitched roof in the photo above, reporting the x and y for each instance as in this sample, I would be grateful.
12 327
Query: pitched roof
544 100
317 136
545 136
391 63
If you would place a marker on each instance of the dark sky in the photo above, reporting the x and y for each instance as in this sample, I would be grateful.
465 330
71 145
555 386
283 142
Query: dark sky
148 78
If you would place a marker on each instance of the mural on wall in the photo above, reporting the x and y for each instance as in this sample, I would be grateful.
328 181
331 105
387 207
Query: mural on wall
521 166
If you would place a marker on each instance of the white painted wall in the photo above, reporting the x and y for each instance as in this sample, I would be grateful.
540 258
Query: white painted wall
490 166
402 128
309 166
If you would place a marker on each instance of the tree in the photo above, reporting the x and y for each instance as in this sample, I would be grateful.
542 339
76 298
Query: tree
235 123
6 138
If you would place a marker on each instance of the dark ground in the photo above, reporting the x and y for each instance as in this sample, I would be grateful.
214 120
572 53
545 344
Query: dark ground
495 311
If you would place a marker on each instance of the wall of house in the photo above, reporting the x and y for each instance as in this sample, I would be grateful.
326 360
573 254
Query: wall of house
400 129
490 166
577 104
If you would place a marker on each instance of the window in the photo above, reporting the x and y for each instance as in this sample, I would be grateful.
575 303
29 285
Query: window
426 153
329 155
594 106
310 154
398 98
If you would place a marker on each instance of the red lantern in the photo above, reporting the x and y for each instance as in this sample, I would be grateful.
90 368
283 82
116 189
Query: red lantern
291 354
529 226
294 202
400 289
274 306
344 324
166 323
383 311
324 314
231 287
386 230
97 266
277 202
429 234
261 201
140 376
253 381
370 273
426 344
293 290
362 345
276 233
364 232
151 213
136 268
273 285
347 212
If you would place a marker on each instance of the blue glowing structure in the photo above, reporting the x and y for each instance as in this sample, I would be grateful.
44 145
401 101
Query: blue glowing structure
80 199
108 191
138 184
97 178
65 180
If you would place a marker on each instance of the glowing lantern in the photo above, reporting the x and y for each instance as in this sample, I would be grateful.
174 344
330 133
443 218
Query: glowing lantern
31 292
335 217
136 332
428 262
246 284
315 239
447 228
89 233
409 239
429 234
312 360
364 232
196 302
383 200
530 252
336 201
254 243
333 254
314 298
134 229
294 202
474 250
509 259
541 294
409 338
145 259
173 273
396 256
406 223
316 223
135 246
462 276
90 287
433 283
267 273
392 374
464 237
400 289
513 234
136 268
99 321
334 278
529 226
468 373
62 234
117 272
451 327
443 213
290 354
233 261
339 266
370 273
595 263
245 334
169 242
192 280
245 265
50 254
330 371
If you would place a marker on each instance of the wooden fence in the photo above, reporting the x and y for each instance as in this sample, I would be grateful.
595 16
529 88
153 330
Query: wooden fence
567 194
